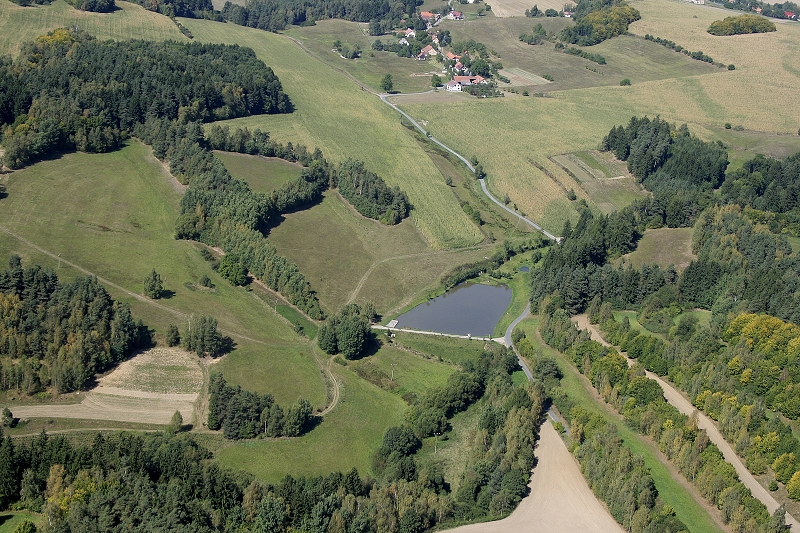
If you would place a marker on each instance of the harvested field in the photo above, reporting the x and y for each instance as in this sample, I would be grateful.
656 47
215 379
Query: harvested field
516 8
664 246
147 389
523 77
560 500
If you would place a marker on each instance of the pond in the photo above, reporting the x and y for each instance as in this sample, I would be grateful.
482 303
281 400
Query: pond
468 309
524 268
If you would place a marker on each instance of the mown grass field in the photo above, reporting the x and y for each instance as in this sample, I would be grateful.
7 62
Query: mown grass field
129 21
262 174
345 439
113 215
347 257
664 247
449 349
10 521
344 121
692 513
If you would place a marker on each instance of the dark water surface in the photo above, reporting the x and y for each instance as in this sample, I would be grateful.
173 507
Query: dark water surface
468 309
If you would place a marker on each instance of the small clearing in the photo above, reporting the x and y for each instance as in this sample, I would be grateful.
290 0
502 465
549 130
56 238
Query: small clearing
147 389
560 499
663 246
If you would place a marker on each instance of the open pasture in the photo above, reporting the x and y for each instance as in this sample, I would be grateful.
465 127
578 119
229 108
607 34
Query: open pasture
664 247
262 174
128 21
408 74
350 258
334 114
517 8
113 215
345 439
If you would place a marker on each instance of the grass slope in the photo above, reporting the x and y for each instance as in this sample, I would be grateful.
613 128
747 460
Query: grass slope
343 121
130 21
345 439
263 174
113 214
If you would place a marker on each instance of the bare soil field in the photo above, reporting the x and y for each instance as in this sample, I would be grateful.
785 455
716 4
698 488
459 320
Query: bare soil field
147 389
516 8
560 500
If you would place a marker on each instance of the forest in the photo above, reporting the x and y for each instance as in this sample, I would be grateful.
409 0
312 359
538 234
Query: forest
59 335
67 90
166 481
740 25
740 368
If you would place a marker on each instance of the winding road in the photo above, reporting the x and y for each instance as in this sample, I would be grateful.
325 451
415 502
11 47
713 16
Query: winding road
537 227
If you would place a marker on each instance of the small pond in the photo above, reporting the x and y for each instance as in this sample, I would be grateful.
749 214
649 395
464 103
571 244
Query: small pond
524 268
468 309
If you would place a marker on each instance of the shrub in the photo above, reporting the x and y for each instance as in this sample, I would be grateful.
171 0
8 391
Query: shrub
624 82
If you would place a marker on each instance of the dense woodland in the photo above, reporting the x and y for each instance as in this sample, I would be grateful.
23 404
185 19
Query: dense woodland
243 414
348 331
641 402
68 90
740 369
59 335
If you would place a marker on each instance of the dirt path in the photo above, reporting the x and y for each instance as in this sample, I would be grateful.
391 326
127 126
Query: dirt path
675 398
560 501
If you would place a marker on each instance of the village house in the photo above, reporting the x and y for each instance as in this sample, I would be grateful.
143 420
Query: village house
469 80
409 33
429 17
455 15
427 51
459 66
453 86
452 57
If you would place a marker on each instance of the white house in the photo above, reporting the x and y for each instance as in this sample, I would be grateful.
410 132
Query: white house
453 86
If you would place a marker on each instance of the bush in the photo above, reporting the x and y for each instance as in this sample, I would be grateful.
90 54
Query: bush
741 25
625 82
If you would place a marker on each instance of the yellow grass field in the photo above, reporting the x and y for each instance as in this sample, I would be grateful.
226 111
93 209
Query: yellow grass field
130 21
516 8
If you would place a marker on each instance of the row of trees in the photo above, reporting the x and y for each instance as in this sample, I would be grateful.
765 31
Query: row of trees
767 9
60 335
68 90
243 414
640 400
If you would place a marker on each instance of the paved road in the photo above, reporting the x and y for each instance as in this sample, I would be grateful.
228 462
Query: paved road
509 344
464 160
674 397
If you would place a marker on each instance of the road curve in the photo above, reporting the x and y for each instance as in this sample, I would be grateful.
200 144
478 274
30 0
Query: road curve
675 398
509 344
464 160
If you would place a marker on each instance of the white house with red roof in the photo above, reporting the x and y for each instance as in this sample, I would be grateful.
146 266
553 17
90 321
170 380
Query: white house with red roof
453 86
455 15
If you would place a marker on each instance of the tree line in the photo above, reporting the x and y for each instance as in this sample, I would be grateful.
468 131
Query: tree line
67 90
59 335
242 414
162 481
777 11
641 402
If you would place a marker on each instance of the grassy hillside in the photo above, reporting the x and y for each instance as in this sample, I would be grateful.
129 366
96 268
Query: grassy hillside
130 21
113 215
343 121
262 174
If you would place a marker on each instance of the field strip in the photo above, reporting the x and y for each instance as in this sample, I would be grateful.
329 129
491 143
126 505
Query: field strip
683 405
118 287
116 391
559 499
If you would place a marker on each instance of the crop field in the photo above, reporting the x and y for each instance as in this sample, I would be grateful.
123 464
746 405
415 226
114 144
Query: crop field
113 215
408 74
345 439
607 192
130 21
664 247
263 174
517 8
363 128
347 257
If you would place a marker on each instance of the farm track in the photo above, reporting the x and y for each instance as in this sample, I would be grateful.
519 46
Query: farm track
678 400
